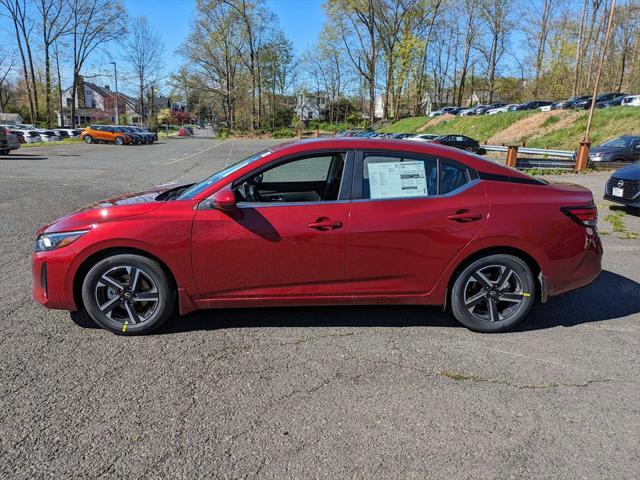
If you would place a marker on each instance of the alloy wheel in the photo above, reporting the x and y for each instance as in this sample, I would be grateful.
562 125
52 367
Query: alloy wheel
494 293
127 294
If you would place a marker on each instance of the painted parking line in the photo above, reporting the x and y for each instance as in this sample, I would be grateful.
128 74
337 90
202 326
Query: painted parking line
194 154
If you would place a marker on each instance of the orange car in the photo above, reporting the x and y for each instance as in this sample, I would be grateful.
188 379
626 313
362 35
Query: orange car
104 133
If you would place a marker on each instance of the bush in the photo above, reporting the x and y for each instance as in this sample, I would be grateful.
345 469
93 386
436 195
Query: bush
284 133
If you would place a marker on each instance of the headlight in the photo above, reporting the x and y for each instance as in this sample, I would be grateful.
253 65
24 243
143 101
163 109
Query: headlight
51 241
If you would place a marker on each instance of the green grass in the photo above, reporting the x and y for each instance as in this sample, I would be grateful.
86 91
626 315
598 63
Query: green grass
550 121
66 141
406 125
607 123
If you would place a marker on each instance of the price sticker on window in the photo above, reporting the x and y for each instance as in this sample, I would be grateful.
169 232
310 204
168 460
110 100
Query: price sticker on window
397 179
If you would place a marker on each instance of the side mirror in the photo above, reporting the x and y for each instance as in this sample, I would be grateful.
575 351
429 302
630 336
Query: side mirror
224 200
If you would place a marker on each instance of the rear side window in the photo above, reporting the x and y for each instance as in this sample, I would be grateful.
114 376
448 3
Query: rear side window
387 177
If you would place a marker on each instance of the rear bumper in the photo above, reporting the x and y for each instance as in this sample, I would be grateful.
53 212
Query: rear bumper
633 202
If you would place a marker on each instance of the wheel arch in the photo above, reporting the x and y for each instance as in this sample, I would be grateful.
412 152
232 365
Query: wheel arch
95 257
531 262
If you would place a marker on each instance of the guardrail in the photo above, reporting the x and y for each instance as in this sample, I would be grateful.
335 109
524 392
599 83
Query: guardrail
531 151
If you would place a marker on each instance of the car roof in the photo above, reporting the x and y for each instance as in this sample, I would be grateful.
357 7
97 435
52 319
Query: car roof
393 145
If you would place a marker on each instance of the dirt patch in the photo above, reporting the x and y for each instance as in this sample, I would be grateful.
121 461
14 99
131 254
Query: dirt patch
435 121
533 126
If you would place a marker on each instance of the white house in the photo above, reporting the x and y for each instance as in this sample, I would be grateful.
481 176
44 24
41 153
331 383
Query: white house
311 106
10 118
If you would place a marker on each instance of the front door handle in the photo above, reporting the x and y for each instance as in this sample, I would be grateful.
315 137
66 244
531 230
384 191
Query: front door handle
465 216
324 224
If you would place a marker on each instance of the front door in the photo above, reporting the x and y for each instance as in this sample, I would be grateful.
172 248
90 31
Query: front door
413 216
286 237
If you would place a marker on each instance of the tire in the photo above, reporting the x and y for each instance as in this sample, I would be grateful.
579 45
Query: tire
486 301
88 139
4 152
470 149
114 303
119 141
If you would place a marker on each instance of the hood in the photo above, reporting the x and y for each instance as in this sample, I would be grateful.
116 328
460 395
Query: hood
108 210
605 150
630 172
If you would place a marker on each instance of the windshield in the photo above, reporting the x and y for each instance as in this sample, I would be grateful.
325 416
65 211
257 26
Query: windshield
620 142
216 177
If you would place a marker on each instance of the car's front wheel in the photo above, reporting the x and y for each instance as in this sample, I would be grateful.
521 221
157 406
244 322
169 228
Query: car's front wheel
119 141
493 293
128 294
88 139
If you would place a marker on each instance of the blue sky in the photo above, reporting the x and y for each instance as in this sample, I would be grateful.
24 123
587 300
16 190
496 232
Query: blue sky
301 20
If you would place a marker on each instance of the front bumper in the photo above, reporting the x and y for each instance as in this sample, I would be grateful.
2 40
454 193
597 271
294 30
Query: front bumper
52 280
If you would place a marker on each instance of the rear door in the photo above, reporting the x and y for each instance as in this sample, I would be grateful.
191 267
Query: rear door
410 216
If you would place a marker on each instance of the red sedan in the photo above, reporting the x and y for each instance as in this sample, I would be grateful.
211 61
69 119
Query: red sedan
326 222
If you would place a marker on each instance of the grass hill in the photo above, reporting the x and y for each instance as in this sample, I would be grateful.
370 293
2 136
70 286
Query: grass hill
559 129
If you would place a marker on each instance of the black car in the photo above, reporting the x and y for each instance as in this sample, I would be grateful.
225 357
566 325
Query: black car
624 186
616 102
585 104
459 141
136 138
564 104
619 149
533 105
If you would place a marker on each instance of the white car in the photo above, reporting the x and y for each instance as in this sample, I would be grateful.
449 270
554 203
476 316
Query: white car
48 135
68 132
631 101
545 108
30 136
506 108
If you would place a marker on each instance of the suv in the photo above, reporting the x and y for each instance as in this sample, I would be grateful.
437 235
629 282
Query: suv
105 133
532 105
459 141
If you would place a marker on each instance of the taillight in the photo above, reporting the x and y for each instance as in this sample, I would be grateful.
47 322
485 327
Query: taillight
586 216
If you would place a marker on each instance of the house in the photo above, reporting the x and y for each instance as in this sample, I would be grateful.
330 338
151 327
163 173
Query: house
10 119
97 104
312 106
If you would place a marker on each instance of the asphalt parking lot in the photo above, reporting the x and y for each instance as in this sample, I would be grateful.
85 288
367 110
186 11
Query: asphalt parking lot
366 392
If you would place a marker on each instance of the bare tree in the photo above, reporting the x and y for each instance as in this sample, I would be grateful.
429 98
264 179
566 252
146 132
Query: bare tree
496 17
542 22
470 27
143 52
94 23
7 64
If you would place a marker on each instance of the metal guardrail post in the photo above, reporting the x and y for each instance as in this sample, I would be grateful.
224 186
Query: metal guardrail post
582 159
512 156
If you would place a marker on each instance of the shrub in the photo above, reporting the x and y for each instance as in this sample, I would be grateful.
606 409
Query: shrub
284 133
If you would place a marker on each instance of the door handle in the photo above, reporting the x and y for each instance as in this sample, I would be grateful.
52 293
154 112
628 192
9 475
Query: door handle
324 224
465 216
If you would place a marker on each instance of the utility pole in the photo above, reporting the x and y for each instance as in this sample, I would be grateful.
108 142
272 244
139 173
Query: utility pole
115 74
582 160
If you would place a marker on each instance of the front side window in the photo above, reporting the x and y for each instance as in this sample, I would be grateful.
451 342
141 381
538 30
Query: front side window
312 178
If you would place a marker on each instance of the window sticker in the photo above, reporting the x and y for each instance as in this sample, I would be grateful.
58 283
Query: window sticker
397 179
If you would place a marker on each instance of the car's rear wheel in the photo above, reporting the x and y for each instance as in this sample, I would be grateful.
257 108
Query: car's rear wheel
128 294
493 293
88 139
119 141
470 149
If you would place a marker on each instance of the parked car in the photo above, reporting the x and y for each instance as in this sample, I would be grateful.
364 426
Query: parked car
484 110
17 133
585 104
564 104
631 101
12 139
532 105
105 134
458 141
282 227
136 138
471 111
616 102
4 142
619 149
505 108
624 186
444 111
148 135
64 132
48 135
30 136
423 137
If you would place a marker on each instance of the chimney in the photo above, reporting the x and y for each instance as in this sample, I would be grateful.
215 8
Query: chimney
106 87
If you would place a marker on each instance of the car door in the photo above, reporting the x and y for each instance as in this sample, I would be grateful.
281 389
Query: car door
287 242
410 216
635 150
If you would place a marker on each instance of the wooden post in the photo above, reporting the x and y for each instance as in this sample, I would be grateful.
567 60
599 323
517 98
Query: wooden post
512 156
582 159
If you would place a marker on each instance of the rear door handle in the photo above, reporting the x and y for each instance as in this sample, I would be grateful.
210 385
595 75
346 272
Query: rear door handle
323 224
465 216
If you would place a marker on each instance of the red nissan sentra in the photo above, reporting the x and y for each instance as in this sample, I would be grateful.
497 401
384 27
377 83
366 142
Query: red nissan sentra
326 222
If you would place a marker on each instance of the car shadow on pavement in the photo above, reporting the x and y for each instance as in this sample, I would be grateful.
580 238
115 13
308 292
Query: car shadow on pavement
22 156
609 297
